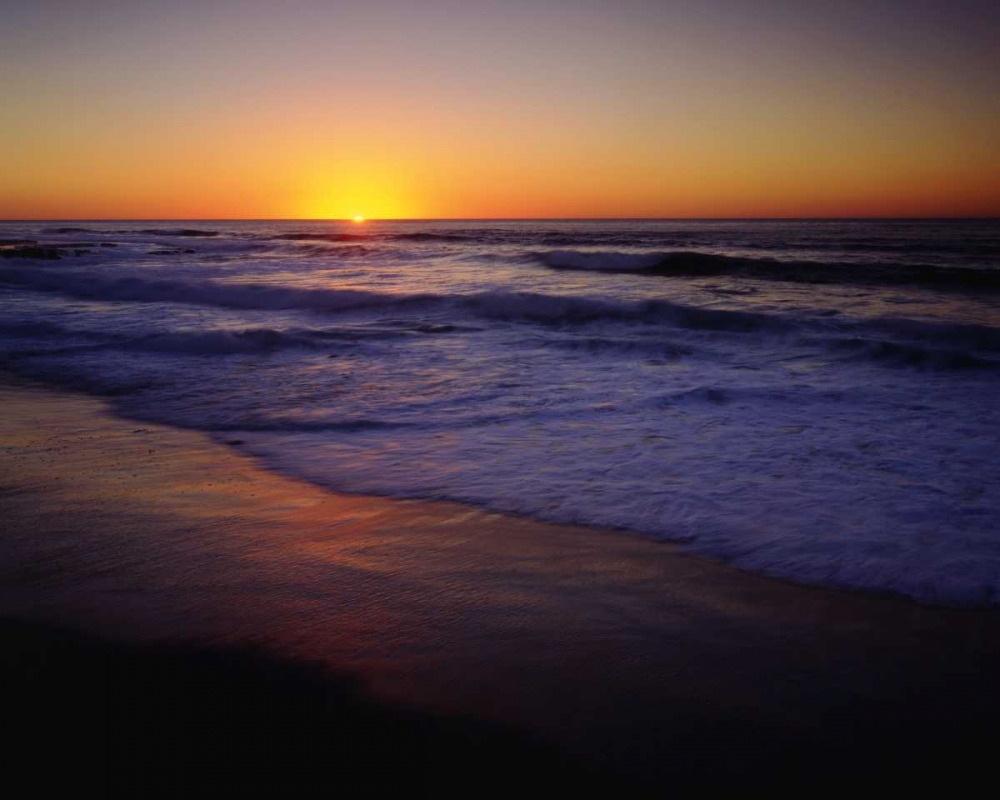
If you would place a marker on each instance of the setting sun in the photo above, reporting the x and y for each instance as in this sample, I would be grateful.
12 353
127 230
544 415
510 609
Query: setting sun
358 218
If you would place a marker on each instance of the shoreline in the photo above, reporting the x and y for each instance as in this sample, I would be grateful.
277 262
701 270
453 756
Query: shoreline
616 649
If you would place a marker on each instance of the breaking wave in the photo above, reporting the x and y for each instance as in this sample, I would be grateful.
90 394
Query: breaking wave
888 341
497 305
209 293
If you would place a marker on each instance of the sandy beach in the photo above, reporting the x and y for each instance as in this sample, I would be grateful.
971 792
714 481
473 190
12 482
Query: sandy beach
626 654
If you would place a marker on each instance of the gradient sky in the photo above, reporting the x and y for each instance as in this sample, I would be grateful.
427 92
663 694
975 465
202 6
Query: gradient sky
626 108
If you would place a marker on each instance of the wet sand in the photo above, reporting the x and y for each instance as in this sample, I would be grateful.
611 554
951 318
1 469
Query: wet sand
621 653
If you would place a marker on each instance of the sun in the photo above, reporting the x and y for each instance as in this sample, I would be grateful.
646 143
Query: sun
357 218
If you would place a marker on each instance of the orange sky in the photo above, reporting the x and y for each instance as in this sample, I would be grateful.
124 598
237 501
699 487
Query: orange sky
586 109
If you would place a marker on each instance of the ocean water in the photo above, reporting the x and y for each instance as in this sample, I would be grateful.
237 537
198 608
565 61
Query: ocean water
814 400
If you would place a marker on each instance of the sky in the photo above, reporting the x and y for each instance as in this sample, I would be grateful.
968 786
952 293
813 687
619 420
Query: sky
445 109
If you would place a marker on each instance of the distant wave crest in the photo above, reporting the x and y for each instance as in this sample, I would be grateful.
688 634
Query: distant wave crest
225 295
684 263
891 341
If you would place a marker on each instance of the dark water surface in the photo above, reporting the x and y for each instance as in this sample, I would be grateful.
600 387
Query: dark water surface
816 400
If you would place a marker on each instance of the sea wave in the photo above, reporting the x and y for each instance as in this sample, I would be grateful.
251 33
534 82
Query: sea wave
561 309
497 304
186 232
432 237
416 236
250 340
339 251
902 354
318 237
98 286
692 264
546 309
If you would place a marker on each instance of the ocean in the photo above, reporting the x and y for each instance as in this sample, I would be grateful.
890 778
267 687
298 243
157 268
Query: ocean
814 400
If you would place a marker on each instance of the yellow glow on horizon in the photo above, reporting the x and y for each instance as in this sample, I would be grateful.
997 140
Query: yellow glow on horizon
340 188
301 165
493 111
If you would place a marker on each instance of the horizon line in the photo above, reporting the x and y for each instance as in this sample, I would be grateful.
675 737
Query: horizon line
987 217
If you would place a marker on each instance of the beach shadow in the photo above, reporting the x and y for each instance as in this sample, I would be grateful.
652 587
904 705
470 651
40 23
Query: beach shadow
183 715
85 710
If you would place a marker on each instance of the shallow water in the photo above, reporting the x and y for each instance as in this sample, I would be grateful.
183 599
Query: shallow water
814 400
